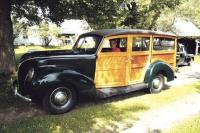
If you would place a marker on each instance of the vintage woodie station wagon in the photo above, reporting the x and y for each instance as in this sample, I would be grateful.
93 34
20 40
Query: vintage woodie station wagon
102 63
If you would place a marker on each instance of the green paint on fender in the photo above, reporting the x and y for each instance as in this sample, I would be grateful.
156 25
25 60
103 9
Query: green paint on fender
156 68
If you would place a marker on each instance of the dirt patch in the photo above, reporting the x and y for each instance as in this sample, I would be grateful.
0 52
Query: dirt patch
15 113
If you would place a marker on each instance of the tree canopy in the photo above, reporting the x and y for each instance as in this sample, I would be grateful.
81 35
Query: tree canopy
99 14
145 13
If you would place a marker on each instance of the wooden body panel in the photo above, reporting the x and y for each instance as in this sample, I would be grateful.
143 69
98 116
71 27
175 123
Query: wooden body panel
115 69
111 69
165 56
139 64
140 61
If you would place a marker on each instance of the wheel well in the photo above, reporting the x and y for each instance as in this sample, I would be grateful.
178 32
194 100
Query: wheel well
72 87
163 73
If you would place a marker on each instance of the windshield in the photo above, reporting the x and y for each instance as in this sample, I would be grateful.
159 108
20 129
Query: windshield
87 44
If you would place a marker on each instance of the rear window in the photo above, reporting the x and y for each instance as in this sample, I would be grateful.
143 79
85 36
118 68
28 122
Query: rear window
163 44
140 44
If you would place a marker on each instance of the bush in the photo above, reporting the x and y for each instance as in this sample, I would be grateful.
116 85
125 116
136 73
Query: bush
32 44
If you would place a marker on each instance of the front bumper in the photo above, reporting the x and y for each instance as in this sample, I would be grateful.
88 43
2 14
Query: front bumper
17 94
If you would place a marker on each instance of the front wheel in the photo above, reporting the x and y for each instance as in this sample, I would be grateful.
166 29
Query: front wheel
157 84
59 99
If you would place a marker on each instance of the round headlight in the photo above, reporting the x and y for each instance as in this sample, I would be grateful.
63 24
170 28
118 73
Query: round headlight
30 73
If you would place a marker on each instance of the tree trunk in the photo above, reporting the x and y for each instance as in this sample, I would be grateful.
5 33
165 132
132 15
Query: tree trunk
47 41
7 56
154 19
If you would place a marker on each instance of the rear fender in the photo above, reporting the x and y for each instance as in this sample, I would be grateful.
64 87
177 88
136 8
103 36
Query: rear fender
158 67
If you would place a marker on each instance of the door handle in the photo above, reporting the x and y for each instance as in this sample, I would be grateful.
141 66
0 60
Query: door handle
127 60
130 59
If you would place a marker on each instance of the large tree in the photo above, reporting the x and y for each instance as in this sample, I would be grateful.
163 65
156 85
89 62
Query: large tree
7 58
100 14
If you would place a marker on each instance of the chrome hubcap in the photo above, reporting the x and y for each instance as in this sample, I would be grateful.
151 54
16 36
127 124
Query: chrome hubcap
60 98
156 83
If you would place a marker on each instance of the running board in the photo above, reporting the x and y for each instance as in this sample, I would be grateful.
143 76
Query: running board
108 92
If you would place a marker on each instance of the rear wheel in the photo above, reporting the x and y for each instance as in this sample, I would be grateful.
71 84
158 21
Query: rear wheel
157 84
60 99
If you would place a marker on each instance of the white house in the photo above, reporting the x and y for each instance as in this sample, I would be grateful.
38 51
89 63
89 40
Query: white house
68 27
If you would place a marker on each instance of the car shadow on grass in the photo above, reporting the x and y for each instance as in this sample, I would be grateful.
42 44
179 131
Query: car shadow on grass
97 118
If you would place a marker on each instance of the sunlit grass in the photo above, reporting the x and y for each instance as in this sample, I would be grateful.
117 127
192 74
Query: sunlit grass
111 115
197 59
24 49
191 125
20 50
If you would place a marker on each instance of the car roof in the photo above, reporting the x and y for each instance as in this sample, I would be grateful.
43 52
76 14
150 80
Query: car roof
111 32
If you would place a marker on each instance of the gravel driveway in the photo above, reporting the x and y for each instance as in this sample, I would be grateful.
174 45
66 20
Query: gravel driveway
186 75
161 119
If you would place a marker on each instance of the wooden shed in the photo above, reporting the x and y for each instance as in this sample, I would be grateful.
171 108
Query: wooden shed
188 35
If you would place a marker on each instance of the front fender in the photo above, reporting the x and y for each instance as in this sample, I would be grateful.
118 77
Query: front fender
158 67
54 76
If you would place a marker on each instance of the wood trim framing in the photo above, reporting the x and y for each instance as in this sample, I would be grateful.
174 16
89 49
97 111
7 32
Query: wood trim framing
115 69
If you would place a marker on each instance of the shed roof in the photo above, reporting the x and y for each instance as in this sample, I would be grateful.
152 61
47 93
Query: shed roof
187 29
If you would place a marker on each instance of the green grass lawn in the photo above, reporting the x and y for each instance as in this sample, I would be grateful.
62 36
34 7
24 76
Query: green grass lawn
110 115
191 125
20 50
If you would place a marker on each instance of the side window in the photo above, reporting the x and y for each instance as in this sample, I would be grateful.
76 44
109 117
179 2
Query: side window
140 44
115 45
163 44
